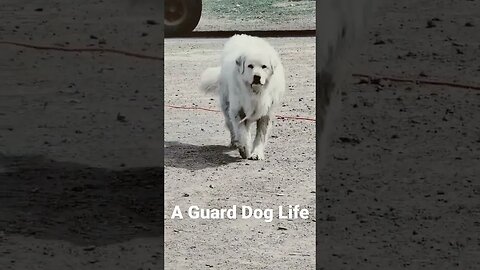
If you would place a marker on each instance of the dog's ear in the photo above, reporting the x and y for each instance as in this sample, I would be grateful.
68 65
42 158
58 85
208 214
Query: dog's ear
240 61
273 65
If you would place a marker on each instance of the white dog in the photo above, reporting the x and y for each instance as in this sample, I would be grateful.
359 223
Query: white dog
251 82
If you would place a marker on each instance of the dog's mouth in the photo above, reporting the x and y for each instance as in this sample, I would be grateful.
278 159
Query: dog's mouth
256 87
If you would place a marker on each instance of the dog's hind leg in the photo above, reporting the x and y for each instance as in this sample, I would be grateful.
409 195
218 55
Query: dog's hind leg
225 106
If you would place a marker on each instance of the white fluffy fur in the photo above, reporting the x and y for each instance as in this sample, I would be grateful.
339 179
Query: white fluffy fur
340 28
251 82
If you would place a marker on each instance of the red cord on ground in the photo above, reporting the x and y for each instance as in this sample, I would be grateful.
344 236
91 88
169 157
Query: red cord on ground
101 50
150 57
457 85
143 56
211 110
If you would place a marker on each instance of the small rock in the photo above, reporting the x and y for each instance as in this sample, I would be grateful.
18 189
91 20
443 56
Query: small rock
151 22
331 218
121 118
89 248
73 101
431 24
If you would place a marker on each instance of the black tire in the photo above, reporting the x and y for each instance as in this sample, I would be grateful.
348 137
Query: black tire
181 16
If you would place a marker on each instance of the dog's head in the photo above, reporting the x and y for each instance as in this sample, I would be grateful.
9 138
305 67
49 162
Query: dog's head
255 70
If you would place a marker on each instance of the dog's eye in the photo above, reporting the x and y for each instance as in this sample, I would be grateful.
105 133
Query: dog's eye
250 66
264 67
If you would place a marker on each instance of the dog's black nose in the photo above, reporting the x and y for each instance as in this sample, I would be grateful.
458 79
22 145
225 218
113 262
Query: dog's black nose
256 79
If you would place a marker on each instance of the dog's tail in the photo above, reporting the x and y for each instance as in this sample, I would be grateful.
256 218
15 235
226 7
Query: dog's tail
209 79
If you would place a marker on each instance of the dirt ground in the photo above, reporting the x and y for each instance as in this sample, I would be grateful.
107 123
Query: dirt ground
80 141
201 170
244 15
401 189
80 138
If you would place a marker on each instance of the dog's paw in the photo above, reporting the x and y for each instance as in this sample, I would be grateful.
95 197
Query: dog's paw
257 156
243 151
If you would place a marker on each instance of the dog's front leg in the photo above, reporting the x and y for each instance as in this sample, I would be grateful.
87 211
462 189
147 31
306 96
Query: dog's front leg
241 127
263 129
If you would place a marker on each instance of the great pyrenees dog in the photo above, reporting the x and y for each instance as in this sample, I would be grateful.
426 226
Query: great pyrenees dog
250 83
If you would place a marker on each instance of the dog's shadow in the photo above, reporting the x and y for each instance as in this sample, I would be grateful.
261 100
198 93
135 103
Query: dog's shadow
197 157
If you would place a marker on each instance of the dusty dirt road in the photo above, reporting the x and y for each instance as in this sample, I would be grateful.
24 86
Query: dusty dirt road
201 170
401 189
79 184
80 167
